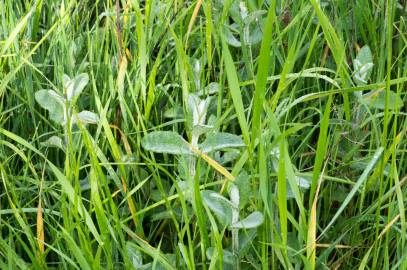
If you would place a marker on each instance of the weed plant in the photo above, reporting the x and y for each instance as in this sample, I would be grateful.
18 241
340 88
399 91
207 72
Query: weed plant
203 134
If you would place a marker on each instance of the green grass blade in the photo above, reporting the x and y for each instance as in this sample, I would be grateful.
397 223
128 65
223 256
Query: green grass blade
362 179
262 73
321 148
235 92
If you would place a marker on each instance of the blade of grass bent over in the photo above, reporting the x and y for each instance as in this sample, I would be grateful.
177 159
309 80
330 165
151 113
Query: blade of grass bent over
262 72
337 49
355 188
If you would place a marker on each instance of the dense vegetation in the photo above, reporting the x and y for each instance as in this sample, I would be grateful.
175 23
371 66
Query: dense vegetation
203 134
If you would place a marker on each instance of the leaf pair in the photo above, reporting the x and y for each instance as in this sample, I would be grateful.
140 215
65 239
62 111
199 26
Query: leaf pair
172 143
56 104
53 103
74 87
363 66
198 108
249 28
223 208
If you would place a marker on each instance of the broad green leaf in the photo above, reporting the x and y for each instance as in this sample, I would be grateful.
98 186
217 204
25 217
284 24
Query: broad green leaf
75 86
377 100
231 39
228 257
228 156
88 117
53 103
253 32
54 141
363 64
364 56
219 205
201 129
243 184
65 79
253 220
134 254
220 140
212 88
302 183
166 142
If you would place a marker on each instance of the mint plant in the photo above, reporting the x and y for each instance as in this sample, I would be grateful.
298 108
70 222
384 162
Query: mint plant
226 210
228 213
61 107
363 66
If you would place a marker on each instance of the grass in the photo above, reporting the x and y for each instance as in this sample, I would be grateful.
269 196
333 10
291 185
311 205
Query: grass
284 144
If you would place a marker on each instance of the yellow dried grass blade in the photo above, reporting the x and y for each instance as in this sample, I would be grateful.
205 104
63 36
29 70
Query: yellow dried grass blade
40 227
214 165
193 18
312 225
330 245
